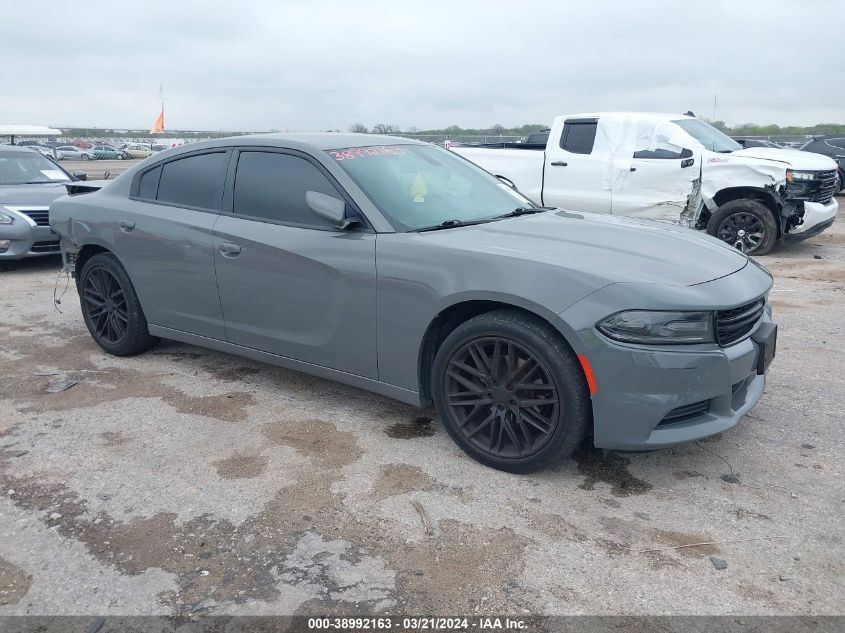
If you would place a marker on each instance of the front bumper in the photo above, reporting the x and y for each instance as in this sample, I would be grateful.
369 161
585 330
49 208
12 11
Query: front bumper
28 240
817 217
635 412
640 389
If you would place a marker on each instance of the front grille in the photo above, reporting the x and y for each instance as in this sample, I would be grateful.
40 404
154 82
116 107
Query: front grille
44 247
686 412
40 216
734 324
826 188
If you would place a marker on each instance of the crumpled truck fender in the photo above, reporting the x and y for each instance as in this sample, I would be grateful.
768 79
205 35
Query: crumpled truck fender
727 172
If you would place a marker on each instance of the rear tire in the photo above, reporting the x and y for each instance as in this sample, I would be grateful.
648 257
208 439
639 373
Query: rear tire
510 392
747 225
111 308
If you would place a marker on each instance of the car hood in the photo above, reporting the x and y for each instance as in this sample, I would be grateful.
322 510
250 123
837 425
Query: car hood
32 194
615 249
794 158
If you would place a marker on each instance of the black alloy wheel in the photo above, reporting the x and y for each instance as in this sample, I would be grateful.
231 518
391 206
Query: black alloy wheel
510 391
746 224
744 231
111 308
104 303
502 397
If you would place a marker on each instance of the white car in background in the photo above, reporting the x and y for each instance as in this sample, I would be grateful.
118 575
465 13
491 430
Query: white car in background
138 150
70 152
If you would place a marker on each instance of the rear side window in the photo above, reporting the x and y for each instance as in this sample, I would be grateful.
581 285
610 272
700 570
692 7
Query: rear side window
148 186
578 136
195 181
272 186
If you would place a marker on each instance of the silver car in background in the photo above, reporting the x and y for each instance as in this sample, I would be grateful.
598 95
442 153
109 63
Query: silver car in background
401 268
29 182
71 152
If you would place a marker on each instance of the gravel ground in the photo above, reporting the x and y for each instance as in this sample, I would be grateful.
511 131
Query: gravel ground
185 481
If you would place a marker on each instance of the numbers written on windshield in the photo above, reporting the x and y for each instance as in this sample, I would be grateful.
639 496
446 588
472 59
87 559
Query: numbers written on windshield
365 152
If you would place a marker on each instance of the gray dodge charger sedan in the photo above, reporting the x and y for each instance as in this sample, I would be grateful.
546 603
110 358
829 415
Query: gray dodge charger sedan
400 268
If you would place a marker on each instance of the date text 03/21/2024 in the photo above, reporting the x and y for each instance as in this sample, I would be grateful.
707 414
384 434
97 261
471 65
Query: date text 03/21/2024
417 624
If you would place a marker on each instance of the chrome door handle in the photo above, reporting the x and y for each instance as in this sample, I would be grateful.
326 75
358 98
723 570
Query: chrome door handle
229 250
126 225
559 163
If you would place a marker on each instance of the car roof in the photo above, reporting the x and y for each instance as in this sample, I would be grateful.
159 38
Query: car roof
674 116
304 141
17 149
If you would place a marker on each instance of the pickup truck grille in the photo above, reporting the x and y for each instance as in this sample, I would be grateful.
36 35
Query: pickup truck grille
734 324
826 188
40 216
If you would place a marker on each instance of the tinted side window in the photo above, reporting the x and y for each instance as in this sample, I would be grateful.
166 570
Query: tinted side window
662 153
195 181
148 186
579 137
272 186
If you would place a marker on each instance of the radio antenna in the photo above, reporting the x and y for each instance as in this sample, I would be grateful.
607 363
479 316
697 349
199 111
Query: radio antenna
714 120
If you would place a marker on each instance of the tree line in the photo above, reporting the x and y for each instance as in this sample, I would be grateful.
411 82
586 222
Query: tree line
745 129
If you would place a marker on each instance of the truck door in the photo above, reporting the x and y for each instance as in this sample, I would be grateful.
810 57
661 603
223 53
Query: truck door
573 175
659 185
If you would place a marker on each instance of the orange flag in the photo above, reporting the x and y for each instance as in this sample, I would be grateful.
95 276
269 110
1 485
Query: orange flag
158 126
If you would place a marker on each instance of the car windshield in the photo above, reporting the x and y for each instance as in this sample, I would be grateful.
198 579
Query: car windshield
29 168
422 186
707 135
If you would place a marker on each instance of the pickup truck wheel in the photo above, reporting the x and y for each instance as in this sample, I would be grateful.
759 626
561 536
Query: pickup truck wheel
510 392
747 225
111 308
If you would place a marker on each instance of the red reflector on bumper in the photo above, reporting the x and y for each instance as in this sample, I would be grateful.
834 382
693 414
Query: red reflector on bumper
588 373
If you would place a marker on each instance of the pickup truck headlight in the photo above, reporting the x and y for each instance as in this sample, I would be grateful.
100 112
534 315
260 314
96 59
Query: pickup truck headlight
792 176
659 328
5 218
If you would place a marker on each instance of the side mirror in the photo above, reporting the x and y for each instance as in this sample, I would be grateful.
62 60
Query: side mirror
329 208
80 175
686 153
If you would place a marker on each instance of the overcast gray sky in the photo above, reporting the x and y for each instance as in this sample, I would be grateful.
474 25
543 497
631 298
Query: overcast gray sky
244 65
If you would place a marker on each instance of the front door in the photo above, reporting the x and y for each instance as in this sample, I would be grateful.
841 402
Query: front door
290 283
659 185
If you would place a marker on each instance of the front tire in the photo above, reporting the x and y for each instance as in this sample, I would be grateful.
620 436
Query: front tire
747 225
510 392
111 308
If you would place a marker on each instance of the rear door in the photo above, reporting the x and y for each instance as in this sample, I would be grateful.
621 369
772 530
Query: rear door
162 234
573 175
290 283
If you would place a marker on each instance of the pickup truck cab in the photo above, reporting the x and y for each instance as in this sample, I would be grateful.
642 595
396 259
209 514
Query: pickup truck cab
672 168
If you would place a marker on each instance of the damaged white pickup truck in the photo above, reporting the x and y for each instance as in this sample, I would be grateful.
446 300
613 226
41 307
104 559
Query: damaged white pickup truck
674 168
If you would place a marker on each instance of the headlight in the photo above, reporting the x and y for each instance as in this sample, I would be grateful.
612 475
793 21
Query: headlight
792 176
659 328
6 219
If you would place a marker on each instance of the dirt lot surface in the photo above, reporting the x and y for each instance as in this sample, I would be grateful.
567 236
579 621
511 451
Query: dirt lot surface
184 481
